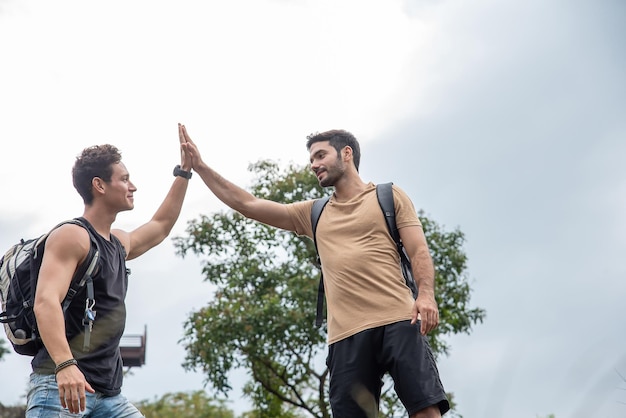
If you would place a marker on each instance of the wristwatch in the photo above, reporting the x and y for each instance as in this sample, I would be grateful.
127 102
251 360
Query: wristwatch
182 173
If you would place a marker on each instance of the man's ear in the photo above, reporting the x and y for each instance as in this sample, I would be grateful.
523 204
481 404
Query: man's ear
97 184
346 153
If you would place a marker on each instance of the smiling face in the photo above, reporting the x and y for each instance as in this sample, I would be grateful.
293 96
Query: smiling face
326 163
119 191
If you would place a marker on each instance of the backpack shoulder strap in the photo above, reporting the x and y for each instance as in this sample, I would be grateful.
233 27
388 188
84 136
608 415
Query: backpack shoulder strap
316 212
88 268
84 278
384 193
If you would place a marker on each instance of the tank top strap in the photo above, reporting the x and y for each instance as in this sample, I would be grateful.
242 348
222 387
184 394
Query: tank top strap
113 239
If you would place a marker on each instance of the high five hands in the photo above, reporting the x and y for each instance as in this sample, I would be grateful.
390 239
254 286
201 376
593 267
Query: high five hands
188 147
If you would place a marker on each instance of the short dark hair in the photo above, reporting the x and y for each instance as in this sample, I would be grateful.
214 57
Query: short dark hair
95 161
337 138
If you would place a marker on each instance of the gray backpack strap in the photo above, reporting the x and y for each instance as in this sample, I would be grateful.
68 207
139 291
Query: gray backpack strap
84 279
384 192
316 212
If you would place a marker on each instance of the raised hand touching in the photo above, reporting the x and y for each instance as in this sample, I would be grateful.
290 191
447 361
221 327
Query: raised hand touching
189 147
185 158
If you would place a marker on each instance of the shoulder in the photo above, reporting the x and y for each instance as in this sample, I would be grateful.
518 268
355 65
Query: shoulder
400 196
69 239
397 190
70 233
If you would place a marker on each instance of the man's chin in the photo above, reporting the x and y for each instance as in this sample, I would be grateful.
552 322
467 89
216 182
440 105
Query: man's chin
325 182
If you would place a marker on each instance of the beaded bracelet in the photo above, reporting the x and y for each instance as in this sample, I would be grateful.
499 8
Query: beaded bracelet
63 365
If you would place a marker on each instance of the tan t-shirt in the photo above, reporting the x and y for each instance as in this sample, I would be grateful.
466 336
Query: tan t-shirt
361 265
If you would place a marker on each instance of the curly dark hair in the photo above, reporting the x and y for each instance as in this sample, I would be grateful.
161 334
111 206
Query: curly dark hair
337 138
95 161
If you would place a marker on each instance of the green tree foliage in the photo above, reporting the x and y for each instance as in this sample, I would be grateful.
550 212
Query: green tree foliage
3 349
262 315
185 405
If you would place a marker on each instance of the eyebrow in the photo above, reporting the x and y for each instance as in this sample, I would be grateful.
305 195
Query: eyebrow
316 153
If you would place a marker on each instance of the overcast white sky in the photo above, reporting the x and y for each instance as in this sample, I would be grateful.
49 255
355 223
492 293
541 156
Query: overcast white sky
503 118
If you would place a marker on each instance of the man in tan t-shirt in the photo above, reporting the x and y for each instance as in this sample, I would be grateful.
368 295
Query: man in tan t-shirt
374 324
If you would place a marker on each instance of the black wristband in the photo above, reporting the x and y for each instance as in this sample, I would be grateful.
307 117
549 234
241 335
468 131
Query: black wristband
182 173
66 363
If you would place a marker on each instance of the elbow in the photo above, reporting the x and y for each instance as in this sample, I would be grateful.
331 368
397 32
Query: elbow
42 306
37 309
245 212
163 228
163 232
250 207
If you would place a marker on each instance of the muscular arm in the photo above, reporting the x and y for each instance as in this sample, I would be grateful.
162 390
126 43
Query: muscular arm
159 227
262 210
66 247
425 305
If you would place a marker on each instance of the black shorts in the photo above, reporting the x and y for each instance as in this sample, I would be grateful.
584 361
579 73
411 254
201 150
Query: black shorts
358 363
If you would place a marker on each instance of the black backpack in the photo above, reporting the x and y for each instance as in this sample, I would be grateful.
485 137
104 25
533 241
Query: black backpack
19 271
384 193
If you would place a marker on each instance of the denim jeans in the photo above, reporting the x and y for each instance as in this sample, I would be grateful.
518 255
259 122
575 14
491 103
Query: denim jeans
44 402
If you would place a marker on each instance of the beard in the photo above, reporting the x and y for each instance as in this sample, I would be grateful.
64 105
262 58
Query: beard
333 174
327 181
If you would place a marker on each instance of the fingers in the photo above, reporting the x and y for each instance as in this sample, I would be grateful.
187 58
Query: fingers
73 399
88 388
62 398
187 138
72 386
429 314
186 154
188 147
82 401
430 320
181 136
414 314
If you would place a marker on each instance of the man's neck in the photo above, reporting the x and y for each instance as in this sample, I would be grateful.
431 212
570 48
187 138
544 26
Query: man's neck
100 220
348 188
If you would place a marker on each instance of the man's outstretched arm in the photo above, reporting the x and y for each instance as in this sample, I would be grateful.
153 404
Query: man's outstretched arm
263 210
158 228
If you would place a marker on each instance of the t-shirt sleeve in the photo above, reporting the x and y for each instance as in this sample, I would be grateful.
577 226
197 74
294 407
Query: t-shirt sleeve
405 211
300 213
